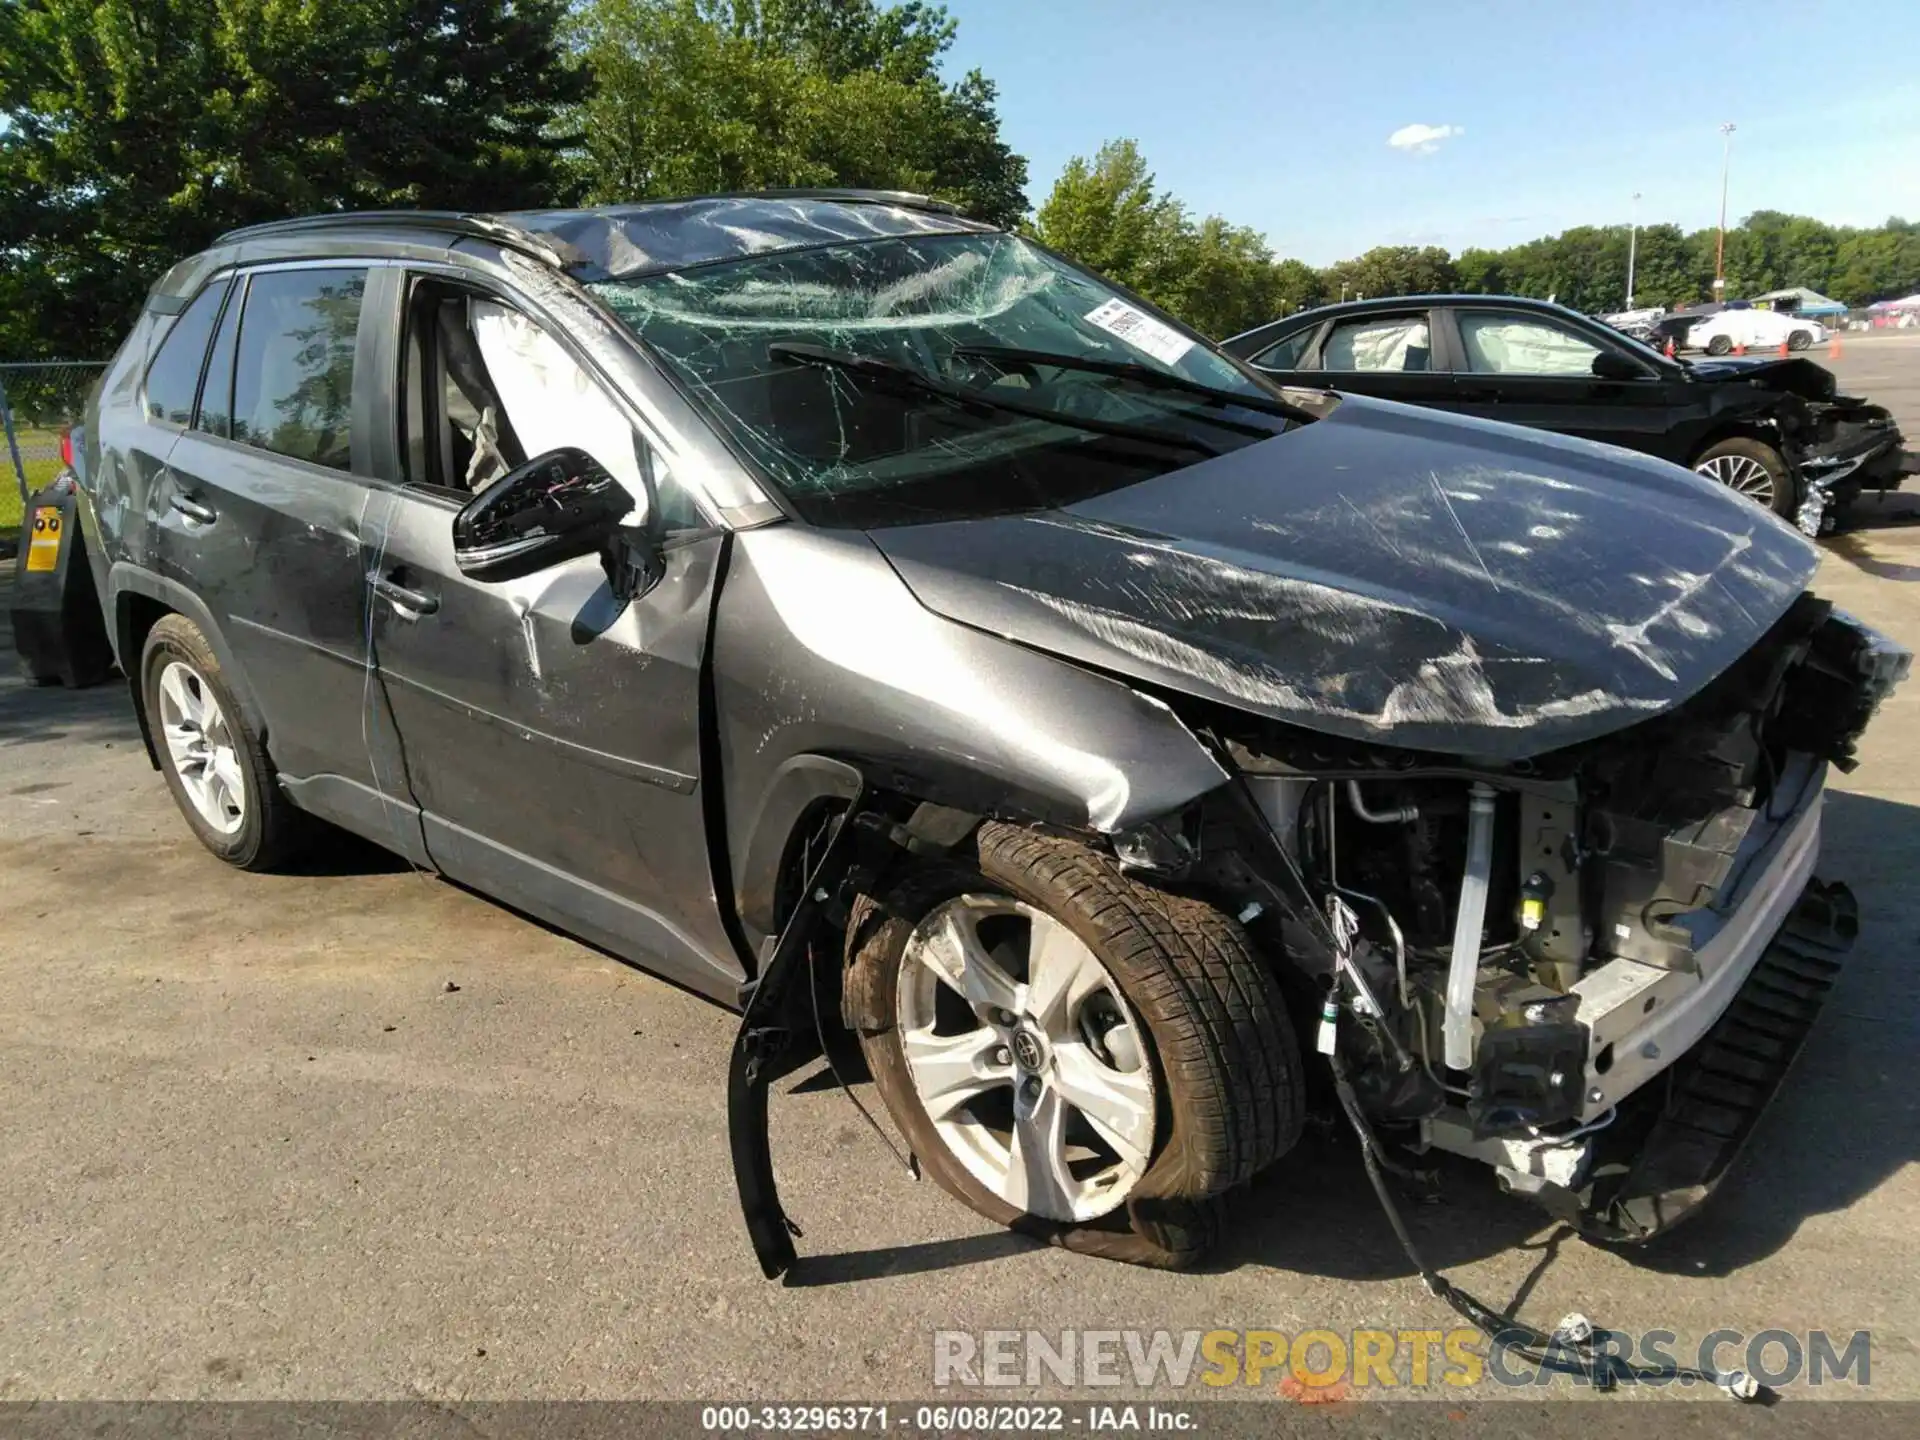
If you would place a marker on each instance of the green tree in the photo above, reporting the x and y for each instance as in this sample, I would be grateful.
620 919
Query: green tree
1219 277
1394 270
137 130
1880 264
695 96
1229 282
1297 286
1106 214
1660 273
1482 272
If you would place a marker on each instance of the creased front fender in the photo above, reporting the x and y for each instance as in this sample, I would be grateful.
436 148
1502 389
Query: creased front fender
820 650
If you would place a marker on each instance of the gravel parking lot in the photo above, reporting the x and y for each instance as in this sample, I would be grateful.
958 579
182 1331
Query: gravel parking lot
359 1133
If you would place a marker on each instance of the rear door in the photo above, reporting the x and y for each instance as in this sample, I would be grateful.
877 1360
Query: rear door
1531 369
551 732
259 515
1388 353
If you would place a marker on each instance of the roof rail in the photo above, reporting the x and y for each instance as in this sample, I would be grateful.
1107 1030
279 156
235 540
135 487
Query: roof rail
903 199
458 220
500 229
495 226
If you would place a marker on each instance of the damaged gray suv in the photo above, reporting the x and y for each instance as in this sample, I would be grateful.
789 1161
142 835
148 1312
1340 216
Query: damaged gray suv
870 620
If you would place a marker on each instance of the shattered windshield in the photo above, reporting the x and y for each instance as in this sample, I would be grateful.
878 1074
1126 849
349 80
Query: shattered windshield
925 377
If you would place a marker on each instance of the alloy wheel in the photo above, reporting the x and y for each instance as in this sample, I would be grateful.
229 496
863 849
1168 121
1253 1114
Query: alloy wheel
1741 473
1026 1057
200 744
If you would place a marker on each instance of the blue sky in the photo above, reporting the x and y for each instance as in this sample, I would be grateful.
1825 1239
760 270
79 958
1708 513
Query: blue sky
1278 115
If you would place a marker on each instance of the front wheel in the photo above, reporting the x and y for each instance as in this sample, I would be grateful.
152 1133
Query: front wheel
1719 345
1070 1052
1754 470
1799 340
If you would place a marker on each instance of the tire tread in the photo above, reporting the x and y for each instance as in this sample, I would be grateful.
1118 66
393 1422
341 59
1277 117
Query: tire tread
281 828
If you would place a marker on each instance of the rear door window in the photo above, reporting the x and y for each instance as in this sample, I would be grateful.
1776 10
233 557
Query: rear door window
293 376
1380 342
174 376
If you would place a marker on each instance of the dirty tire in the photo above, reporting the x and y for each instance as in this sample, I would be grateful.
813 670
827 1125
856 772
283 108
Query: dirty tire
1226 1068
1737 456
272 829
1799 339
1719 345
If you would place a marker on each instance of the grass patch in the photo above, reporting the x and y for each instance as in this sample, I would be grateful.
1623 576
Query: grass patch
40 456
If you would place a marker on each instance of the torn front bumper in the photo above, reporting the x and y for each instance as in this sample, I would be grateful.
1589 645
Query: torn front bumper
1681 1063
1645 1183
1642 1017
1859 454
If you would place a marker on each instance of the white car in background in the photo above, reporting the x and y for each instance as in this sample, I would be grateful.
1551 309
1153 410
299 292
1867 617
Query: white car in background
1754 330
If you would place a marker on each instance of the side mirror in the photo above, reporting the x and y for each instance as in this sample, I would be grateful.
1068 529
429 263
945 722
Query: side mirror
558 506
1609 365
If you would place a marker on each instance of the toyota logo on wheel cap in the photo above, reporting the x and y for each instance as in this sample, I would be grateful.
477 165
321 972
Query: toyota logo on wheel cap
1026 1049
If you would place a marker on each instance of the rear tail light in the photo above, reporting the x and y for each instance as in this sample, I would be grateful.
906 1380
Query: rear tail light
66 448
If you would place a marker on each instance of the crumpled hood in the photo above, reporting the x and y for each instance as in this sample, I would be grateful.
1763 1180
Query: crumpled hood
1791 374
1389 574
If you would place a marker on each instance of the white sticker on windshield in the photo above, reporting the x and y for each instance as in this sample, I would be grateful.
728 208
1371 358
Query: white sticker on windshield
1140 330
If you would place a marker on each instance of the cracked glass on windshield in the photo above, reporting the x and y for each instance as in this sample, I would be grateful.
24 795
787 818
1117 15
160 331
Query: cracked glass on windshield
878 381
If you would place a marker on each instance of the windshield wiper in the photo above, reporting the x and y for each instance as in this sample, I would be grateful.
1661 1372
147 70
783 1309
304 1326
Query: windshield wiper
1143 375
966 397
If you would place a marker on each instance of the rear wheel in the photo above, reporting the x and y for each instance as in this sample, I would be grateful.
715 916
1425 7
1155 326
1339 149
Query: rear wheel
1799 340
1754 470
1070 1052
216 767
1719 345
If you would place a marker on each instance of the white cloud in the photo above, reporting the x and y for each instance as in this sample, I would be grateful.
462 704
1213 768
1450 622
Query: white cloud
1423 139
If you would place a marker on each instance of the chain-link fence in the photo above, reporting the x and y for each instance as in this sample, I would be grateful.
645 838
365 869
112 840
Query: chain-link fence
39 399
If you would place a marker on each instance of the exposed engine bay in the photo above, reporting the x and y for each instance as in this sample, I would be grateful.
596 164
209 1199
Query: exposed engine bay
1516 953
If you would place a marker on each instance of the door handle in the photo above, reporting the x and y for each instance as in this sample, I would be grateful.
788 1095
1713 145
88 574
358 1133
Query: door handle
193 510
407 604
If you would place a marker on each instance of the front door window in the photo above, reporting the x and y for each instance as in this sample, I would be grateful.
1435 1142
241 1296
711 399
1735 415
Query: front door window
1499 343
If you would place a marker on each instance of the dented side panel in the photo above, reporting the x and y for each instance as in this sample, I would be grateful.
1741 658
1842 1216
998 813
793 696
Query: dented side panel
819 649
1390 574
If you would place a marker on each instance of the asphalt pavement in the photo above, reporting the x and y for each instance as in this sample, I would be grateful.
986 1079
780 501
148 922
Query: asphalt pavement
357 1133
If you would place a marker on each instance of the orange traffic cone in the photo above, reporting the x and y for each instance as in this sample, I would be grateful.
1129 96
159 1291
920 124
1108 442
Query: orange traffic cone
1670 346
1783 349
1738 348
1833 346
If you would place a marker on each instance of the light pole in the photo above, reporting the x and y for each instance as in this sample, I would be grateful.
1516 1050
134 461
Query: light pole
1720 246
1633 236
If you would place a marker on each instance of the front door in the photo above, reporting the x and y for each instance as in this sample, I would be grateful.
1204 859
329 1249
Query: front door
550 733
1530 369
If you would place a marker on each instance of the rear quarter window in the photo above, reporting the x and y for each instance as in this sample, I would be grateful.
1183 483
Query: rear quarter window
174 377
1286 354
216 391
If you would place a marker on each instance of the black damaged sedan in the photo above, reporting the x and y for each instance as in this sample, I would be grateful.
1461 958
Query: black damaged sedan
864 617
1774 428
